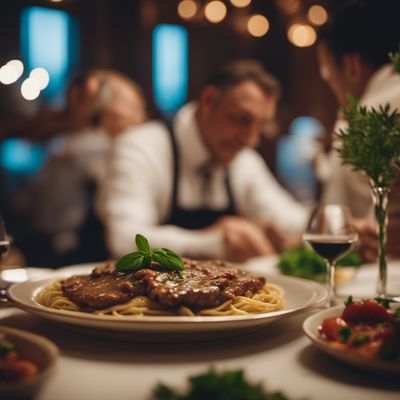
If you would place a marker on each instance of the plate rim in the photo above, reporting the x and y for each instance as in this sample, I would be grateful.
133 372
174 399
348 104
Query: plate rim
319 294
349 358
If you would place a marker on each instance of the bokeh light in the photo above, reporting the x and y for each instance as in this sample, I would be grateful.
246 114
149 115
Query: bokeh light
215 11
240 3
30 89
18 66
302 35
41 76
8 74
258 25
187 9
317 15
289 6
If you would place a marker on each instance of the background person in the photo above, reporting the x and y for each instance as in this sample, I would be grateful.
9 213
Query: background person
58 203
198 187
353 52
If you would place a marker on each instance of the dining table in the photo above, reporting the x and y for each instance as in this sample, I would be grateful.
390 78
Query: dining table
278 355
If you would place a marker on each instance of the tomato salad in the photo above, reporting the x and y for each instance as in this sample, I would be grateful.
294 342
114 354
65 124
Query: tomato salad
13 366
368 328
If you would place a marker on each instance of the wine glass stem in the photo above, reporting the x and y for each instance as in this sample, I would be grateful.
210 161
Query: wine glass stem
330 266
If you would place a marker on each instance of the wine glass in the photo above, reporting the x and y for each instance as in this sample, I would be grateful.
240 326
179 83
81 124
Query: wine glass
330 234
4 240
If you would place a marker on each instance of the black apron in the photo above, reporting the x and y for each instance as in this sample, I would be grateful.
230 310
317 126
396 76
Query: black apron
198 218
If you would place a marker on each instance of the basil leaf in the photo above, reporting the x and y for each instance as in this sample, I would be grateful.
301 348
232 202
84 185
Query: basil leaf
130 262
163 258
170 253
142 243
144 256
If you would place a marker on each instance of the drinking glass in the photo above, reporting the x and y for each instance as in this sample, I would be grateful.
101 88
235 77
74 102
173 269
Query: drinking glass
4 241
330 234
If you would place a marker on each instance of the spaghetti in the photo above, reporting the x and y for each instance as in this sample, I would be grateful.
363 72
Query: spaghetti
267 299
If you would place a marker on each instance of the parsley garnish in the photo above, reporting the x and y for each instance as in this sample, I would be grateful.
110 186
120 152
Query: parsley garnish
230 385
397 314
348 301
144 256
383 302
359 340
344 334
6 347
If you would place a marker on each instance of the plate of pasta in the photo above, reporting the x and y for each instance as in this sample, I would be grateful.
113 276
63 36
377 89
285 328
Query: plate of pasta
218 301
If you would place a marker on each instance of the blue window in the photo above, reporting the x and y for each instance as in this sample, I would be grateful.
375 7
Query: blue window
295 157
49 40
170 67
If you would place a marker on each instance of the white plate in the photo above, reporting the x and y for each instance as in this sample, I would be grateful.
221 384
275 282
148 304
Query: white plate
310 327
300 295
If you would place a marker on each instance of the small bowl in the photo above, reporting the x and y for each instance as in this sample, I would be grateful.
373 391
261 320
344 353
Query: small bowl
37 349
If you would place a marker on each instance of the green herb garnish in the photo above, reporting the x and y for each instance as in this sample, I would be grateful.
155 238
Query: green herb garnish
344 334
360 340
397 314
383 302
144 256
348 301
395 58
6 347
226 385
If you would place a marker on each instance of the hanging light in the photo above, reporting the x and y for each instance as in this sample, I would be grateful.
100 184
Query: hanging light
215 11
240 3
317 15
187 9
302 35
258 25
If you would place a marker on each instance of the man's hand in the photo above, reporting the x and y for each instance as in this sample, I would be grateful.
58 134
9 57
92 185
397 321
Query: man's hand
243 239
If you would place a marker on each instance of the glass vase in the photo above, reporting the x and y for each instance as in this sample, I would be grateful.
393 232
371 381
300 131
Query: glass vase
380 198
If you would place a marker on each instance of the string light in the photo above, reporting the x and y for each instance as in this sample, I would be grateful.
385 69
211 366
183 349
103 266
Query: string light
18 66
187 9
215 11
41 76
302 35
30 89
317 15
240 3
258 25
8 74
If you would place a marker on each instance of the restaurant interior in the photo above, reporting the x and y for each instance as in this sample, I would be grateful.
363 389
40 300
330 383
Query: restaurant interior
304 307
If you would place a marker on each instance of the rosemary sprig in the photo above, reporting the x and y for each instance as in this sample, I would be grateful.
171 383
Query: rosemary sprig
144 256
395 58
371 143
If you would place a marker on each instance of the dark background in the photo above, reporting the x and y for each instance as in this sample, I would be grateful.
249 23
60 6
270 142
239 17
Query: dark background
117 34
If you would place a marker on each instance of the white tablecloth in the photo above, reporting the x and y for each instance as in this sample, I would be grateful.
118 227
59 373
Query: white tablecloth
279 356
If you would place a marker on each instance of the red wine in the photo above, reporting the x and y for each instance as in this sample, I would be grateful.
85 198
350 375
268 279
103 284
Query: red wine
330 248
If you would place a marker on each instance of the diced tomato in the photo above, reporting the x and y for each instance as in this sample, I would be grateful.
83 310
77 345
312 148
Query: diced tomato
368 311
331 326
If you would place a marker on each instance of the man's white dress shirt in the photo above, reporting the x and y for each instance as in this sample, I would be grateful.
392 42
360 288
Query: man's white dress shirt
136 195
344 185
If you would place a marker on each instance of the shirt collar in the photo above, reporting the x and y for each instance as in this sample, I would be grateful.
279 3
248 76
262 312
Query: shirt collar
192 150
383 87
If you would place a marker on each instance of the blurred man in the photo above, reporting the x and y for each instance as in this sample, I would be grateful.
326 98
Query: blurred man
353 55
197 186
100 104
